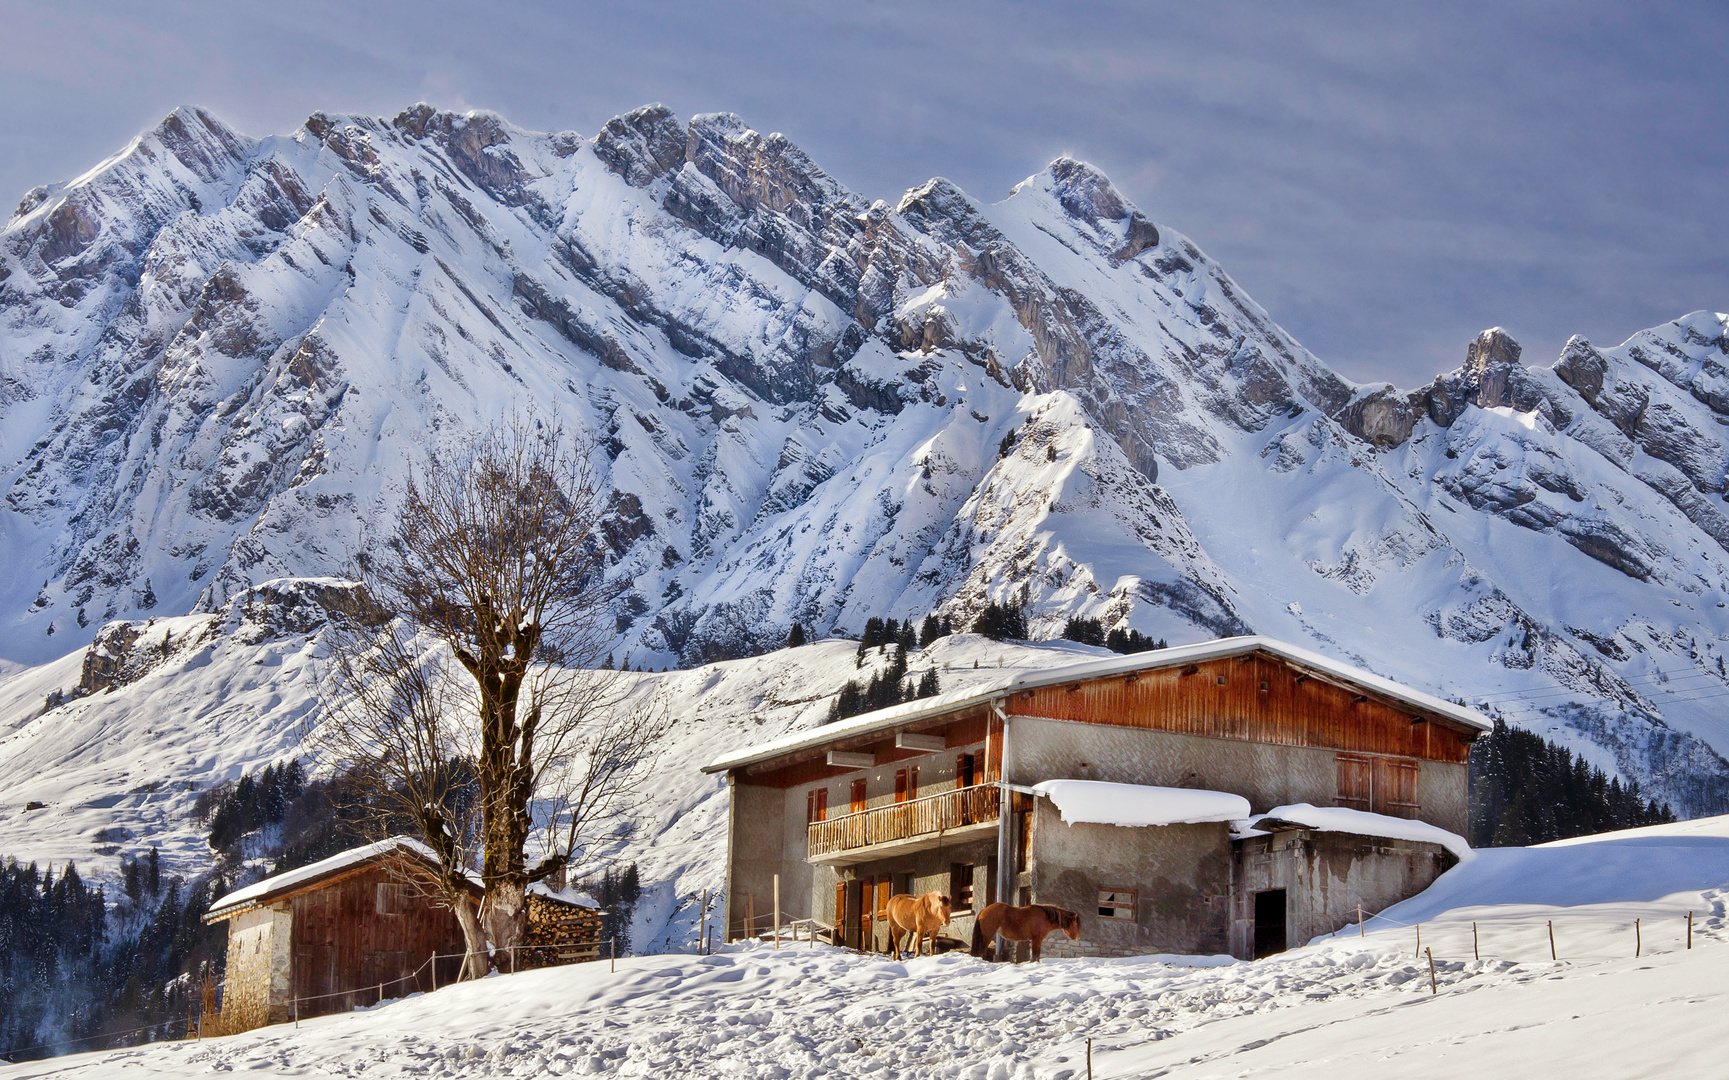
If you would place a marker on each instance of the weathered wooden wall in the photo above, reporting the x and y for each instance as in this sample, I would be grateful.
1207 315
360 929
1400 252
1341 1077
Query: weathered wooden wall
345 947
1251 698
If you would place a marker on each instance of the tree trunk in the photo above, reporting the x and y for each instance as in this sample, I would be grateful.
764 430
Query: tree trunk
474 964
505 912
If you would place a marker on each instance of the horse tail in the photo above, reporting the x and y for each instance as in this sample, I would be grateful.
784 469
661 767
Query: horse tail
979 935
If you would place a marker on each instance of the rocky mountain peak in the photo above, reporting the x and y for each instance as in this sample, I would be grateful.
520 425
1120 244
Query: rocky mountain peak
221 357
642 145
1493 347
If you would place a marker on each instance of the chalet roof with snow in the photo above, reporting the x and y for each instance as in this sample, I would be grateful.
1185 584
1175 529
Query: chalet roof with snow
1311 664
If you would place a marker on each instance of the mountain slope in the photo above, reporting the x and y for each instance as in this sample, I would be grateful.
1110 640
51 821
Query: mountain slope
220 356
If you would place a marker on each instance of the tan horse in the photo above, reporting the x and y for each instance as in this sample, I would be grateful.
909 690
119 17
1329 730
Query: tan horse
1021 924
919 916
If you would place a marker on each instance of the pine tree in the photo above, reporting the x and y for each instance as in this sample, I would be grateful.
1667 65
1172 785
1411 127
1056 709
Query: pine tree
795 636
1085 631
1001 622
930 631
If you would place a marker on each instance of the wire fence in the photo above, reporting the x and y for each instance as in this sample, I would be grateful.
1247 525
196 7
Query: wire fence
1643 937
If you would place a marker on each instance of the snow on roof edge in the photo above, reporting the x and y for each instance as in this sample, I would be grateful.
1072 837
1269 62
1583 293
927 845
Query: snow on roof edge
1100 802
1342 819
1121 665
290 879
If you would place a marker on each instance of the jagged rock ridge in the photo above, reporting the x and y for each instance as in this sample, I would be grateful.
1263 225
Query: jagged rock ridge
221 355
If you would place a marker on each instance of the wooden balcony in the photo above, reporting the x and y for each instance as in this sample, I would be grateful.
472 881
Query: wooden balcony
953 816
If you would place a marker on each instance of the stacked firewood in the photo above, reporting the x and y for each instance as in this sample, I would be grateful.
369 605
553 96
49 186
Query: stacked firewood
559 933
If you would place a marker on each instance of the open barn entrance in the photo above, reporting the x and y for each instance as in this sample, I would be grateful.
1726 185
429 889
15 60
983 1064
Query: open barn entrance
1269 922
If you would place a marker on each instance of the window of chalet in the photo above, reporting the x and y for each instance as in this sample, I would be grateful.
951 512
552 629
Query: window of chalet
961 887
1117 904
907 784
858 796
816 806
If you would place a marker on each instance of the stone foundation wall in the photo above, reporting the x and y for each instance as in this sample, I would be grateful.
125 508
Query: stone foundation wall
256 983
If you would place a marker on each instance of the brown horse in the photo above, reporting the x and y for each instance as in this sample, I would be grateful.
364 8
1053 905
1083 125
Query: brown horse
919 916
1021 924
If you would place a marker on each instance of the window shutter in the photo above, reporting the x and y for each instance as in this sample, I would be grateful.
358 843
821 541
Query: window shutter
1356 781
1397 788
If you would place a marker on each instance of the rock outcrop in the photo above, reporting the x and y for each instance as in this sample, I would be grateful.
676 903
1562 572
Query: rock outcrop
222 356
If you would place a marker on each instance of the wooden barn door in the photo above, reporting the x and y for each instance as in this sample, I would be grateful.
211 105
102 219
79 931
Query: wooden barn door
314 950
885 889
1356 781
1396 787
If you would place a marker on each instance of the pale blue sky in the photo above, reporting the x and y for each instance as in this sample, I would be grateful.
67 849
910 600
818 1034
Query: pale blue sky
1386 179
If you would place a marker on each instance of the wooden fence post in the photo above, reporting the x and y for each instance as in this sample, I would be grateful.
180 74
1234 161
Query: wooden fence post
612 953
1360 931
777 912
749 915
1432 988
702 923
1089 1058
1476 952
1552 955
1419 939
1638 945
1689 929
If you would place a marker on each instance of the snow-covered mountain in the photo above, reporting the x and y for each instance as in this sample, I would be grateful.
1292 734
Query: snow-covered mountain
220 356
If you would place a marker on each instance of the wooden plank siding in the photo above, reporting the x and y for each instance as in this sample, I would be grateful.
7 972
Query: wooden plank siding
1251 698
344 946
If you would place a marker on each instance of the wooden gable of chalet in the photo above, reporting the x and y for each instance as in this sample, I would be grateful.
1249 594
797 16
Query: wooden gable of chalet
1256 695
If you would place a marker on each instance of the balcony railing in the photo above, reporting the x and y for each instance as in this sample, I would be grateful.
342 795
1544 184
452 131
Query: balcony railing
909 820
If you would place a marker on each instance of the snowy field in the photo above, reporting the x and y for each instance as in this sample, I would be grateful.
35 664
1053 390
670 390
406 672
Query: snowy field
1346 1007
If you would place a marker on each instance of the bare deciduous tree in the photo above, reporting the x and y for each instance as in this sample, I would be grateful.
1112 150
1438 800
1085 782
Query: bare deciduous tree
475 658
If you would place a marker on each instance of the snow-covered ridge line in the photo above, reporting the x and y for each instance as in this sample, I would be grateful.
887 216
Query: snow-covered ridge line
223 355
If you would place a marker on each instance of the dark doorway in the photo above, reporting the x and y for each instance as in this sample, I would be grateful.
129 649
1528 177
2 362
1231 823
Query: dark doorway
850 925
1269 922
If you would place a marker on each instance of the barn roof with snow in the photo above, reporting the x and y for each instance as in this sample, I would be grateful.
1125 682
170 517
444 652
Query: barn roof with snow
283 885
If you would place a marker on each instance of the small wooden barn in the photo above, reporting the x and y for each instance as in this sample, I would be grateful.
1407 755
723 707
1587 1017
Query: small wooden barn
353 929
